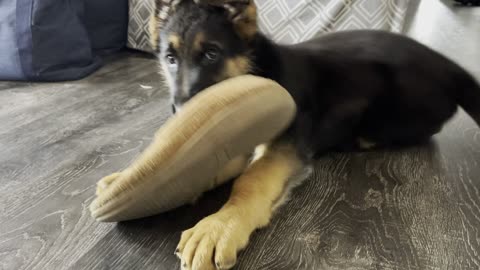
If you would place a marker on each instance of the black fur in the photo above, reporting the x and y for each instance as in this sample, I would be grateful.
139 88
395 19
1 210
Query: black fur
382 87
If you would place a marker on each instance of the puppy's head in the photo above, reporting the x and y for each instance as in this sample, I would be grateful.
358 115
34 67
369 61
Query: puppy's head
204 43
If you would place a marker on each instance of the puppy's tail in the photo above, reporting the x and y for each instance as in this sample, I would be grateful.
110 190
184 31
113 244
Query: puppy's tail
468 97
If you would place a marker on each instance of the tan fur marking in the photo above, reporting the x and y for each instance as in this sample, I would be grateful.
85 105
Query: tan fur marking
236 66
198 40
246 24
250 206
175 41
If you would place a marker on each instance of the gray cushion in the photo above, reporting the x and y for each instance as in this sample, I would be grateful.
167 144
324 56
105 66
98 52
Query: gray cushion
49 40
10 67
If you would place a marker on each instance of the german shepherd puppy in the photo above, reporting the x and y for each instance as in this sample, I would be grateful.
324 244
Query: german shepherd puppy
353 90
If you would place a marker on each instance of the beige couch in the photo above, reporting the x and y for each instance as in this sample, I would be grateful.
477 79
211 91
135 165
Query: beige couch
290 21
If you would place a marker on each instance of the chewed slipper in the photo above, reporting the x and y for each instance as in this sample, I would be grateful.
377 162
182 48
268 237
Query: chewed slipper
197 149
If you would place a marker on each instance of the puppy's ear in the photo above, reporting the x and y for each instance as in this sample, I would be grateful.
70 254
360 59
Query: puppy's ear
160 14
242 13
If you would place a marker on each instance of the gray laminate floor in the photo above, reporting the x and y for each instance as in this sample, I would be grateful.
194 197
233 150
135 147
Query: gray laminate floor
416 208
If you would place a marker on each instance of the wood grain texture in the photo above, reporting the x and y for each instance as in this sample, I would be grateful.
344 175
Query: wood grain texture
416 208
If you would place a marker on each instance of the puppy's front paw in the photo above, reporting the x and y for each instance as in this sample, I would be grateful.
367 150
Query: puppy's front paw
103 184
214 242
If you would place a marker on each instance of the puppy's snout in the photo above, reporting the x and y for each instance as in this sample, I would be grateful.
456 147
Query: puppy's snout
180 100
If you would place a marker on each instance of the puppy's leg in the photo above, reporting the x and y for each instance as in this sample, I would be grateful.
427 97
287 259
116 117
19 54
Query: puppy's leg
214 242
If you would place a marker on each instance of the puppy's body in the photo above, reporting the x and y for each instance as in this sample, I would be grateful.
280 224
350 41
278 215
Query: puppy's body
366 86
358 89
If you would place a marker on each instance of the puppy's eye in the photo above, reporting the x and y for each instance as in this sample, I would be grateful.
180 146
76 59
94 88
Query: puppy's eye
171 59
211 56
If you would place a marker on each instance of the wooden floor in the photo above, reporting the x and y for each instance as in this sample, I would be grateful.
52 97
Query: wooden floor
415 208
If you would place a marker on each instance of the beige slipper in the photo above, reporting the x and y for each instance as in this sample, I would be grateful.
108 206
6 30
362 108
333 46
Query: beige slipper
213 129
